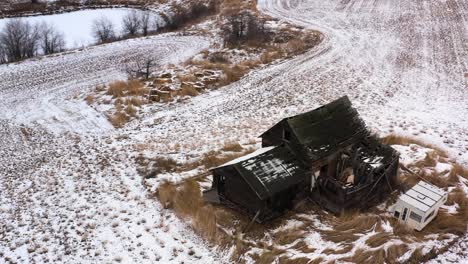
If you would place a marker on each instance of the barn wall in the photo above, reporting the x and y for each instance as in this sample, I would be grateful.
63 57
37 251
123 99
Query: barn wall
236 190
274 136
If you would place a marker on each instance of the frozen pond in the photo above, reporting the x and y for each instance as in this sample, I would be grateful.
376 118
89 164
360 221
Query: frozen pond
77 26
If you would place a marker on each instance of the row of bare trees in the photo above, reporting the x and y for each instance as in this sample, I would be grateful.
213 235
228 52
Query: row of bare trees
21 40
243 26
134 23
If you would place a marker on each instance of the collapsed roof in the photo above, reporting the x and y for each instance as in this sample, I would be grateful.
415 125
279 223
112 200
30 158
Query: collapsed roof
269 170
318 132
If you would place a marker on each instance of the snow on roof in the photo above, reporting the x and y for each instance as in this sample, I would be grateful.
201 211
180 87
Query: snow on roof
423 196
248 156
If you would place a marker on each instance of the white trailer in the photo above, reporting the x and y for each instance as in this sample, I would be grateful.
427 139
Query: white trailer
418 206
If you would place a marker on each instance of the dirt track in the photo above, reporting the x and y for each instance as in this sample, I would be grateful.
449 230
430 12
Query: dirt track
406 59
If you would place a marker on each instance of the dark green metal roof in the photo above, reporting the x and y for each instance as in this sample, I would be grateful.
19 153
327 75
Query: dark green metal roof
327 127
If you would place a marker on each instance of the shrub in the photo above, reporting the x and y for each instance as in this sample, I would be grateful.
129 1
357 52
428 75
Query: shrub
218 57
164 164
130 110
135 87
126 88
119 119
188 200
89 99
188 91
378 239
243 26
394 252
116 89
234 147
295 45
166 193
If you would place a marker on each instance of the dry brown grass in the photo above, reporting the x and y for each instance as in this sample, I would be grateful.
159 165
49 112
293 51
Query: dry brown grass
268 256
135 101
268 57
371 257
292 260
356 222
135 88
338 237
205 223
445 223
216 158
187 202
89 99
164 164
417 256
346 249
166 193
188 91
126 88
288 236
393 139
131 110
188 77
395 251
460 170
232 74
302 246
295 46
119 119
233 147
400 230
378 239
117 89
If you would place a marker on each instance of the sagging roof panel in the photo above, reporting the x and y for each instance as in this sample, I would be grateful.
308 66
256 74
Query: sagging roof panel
325 128
271 171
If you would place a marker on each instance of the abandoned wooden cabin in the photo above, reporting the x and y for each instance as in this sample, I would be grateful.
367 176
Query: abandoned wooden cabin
344 166
263 183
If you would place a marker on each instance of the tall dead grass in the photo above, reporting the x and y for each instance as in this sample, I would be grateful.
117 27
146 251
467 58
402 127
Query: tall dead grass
233 147
378 239
187 202
126 88
188 91
393 139
214 159
118 119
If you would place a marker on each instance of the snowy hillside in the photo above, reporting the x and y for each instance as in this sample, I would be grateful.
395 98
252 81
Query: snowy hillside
70 191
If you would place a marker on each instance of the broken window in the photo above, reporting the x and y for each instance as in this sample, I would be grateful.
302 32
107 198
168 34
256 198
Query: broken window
404 214
286 135
415 217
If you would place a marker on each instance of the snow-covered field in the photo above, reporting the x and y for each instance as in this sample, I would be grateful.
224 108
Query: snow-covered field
69 190
35 90
77 26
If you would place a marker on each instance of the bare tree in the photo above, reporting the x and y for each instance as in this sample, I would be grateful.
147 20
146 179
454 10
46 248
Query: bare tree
243 26
145 22
141 68
103 30
51 41
19 40
32 40
130 23
3 57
